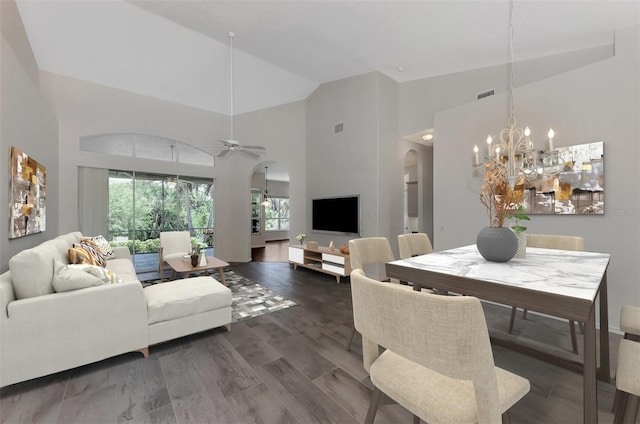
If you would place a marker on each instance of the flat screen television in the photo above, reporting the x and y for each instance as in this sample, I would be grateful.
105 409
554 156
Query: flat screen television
336 215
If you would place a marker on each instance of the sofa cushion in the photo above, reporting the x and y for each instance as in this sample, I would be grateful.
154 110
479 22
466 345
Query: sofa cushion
32 269
123 268
182 298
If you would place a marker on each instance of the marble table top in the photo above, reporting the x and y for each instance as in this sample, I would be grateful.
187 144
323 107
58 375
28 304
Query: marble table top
563 272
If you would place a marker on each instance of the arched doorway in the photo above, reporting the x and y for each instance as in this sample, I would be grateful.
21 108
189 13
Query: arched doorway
269 211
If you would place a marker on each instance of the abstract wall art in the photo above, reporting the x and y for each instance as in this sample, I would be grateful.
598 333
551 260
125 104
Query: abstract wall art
28 194
576 189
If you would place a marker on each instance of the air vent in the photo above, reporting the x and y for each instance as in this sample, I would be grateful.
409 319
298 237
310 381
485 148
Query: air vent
338 128
486 94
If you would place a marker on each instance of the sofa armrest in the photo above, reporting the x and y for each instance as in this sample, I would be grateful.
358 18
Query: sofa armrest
58 331
7 294
121 252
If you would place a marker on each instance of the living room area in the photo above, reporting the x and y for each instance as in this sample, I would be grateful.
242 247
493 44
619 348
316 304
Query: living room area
79 79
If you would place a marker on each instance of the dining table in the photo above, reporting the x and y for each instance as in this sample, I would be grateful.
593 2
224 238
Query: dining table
560 283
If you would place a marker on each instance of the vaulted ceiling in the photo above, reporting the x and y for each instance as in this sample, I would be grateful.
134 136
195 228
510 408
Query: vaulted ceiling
177 50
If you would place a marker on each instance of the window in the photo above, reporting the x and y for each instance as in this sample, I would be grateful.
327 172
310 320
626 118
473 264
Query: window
147 147
141 205
277 215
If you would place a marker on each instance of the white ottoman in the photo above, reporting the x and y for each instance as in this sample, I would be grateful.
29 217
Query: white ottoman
182 307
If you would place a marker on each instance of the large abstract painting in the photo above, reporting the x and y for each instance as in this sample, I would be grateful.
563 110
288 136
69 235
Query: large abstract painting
577 187
27 206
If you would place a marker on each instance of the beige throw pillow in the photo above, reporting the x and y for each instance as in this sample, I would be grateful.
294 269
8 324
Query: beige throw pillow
81 276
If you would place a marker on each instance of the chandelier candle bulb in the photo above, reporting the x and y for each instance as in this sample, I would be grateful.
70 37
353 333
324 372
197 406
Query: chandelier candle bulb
550 134
475 150
489 141
498 153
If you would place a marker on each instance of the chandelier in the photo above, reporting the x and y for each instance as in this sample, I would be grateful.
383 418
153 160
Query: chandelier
267 199
514 148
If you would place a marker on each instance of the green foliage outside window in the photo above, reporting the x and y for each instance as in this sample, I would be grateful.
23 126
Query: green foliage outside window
277 215
161 204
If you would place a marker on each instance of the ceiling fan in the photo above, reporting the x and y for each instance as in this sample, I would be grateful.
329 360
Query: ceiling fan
230 144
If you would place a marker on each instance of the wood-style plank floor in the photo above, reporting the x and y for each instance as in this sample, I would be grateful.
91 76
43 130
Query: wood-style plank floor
273 251
285 367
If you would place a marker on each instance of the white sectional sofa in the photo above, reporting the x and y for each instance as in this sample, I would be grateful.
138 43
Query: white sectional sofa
43 332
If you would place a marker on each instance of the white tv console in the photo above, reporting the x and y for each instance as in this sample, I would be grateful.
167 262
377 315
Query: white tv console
321 259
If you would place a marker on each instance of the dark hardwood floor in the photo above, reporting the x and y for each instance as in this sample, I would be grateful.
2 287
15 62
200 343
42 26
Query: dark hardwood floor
273 251
289 366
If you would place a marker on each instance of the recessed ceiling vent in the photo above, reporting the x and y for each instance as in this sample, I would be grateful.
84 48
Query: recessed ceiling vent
338 128
486 94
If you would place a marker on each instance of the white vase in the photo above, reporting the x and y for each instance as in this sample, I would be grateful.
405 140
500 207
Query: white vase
522 244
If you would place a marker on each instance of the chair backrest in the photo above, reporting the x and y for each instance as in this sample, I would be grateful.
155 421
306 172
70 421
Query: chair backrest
414 244
447 334
173 242
368 251
551 241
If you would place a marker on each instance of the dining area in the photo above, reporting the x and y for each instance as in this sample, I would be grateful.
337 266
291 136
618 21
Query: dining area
557 282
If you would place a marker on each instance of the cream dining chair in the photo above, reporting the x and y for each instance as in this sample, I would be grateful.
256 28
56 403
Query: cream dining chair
369 253
628 374
627 381
550 241
414 244
173 244
442 372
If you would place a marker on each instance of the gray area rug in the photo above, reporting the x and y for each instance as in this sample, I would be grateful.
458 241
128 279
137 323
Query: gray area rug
248 299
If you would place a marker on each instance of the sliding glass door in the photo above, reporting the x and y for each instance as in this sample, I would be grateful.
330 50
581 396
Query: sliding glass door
141 205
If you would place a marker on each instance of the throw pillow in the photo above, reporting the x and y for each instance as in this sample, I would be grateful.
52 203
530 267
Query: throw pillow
93 250
70 277
77 255
103 245
80 276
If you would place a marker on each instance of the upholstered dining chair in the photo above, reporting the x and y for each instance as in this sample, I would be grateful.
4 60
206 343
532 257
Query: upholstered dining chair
627 381
628 357
369 252
630 322
442 372
551 241
414 244
173 244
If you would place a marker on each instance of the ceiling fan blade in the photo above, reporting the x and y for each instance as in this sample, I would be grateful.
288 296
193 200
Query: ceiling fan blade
222 153
229 142
254 147
249 153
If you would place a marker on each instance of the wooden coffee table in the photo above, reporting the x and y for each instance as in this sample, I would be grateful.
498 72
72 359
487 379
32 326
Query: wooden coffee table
184 266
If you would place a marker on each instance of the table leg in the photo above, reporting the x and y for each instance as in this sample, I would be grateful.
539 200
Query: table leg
173 274
604 372
221 271
590 385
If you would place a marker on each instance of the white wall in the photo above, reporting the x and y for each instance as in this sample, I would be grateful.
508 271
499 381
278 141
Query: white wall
347 162
596 102
26 122
85 108
421 99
